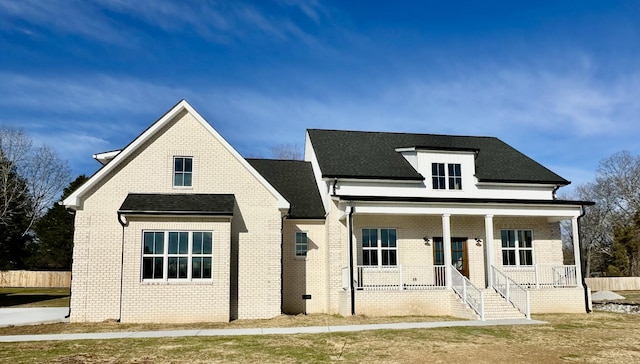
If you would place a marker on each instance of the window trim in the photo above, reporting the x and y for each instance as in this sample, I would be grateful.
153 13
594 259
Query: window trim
517 249
306 244
165 255
379 249
183 172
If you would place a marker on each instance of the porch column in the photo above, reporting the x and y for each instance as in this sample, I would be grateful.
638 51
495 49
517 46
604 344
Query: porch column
488 248
446 242
576 248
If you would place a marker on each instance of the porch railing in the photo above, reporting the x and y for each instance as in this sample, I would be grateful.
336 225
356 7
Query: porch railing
511 291
397 277
469 293
543 276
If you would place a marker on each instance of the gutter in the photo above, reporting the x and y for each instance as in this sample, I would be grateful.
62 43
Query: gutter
582 265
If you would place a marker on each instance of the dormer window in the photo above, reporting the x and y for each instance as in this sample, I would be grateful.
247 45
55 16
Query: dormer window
182 171
441 175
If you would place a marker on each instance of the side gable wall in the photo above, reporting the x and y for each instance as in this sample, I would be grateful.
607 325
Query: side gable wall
254 254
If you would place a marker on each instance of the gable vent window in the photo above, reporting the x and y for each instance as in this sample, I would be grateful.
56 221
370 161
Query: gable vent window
182 171
440 175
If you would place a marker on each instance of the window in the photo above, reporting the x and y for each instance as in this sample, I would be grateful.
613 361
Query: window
437 171
439 176
177 255
517 247
455 177
379 247
182 171
301 244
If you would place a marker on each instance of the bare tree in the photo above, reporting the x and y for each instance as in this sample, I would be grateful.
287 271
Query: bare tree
286 151
42 176
616 192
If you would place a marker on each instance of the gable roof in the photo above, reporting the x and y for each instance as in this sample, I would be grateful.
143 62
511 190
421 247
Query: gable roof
178 204
373 155
295 181
74 200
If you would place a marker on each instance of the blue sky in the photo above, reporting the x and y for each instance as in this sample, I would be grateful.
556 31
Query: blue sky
558 80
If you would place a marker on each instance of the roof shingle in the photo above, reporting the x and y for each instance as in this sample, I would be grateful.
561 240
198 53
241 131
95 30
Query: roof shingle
178 204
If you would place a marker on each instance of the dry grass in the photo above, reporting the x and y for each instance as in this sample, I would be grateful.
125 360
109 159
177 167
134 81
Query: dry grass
593 338
629 296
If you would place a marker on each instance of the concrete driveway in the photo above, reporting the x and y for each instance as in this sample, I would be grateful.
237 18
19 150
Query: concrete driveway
32 316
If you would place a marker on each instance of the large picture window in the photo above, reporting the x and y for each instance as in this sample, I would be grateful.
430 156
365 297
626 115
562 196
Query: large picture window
440 175
379 247
517 247
177 255
182 171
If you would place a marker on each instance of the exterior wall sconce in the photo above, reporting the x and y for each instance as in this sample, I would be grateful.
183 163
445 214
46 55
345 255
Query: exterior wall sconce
478 242
427 241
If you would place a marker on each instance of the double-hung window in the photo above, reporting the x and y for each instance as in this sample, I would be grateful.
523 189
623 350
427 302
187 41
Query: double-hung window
182 171
517 247
301 244
177 255
441 175
379 247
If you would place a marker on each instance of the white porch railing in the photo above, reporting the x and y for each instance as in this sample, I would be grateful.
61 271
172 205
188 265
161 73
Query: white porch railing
398 277
543 276
511 291
469 293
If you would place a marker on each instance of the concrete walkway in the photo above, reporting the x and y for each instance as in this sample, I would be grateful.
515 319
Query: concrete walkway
263 331
32 316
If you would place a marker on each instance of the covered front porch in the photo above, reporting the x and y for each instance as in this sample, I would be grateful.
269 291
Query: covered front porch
472 250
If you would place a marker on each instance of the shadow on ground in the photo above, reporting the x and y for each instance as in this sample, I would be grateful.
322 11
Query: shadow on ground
9 299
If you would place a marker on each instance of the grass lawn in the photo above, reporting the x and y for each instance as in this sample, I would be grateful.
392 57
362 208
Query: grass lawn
34 297
592 338
629 296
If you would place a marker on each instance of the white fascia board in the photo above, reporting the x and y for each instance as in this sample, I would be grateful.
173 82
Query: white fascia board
105 157
468 209
73 201
373 181
503 184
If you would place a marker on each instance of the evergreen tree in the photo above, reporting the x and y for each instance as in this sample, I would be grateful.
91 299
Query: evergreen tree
53 248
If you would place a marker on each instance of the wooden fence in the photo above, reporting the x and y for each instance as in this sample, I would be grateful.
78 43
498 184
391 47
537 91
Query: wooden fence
614 284
24 278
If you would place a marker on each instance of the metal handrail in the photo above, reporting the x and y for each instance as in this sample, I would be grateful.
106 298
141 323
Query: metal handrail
511 291
470 294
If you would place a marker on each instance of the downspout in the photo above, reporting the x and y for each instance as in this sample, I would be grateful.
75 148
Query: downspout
284 217
582 265
73 230
351 286
124 224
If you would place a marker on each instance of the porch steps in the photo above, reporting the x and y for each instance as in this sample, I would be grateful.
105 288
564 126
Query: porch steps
497 308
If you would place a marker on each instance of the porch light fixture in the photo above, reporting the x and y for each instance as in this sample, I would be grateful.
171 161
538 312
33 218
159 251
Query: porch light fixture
478 242
426 239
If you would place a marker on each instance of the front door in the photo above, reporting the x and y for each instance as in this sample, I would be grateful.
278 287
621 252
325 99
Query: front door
458 254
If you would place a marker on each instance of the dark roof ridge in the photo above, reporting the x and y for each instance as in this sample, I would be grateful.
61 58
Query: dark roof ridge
405 133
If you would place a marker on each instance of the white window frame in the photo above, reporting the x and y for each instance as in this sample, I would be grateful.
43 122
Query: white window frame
190 255
517 249
379 249
297 245
183 172
447 179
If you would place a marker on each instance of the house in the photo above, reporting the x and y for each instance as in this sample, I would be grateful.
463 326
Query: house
179 227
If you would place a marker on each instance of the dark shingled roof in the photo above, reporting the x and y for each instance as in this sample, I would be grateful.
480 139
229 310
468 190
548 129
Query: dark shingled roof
372 155
178 204
296 183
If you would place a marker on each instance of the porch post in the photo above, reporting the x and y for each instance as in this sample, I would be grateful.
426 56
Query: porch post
488 246
576 249
446 242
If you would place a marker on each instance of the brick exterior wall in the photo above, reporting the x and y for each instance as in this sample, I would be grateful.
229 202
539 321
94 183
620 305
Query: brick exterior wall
304 275
253 255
